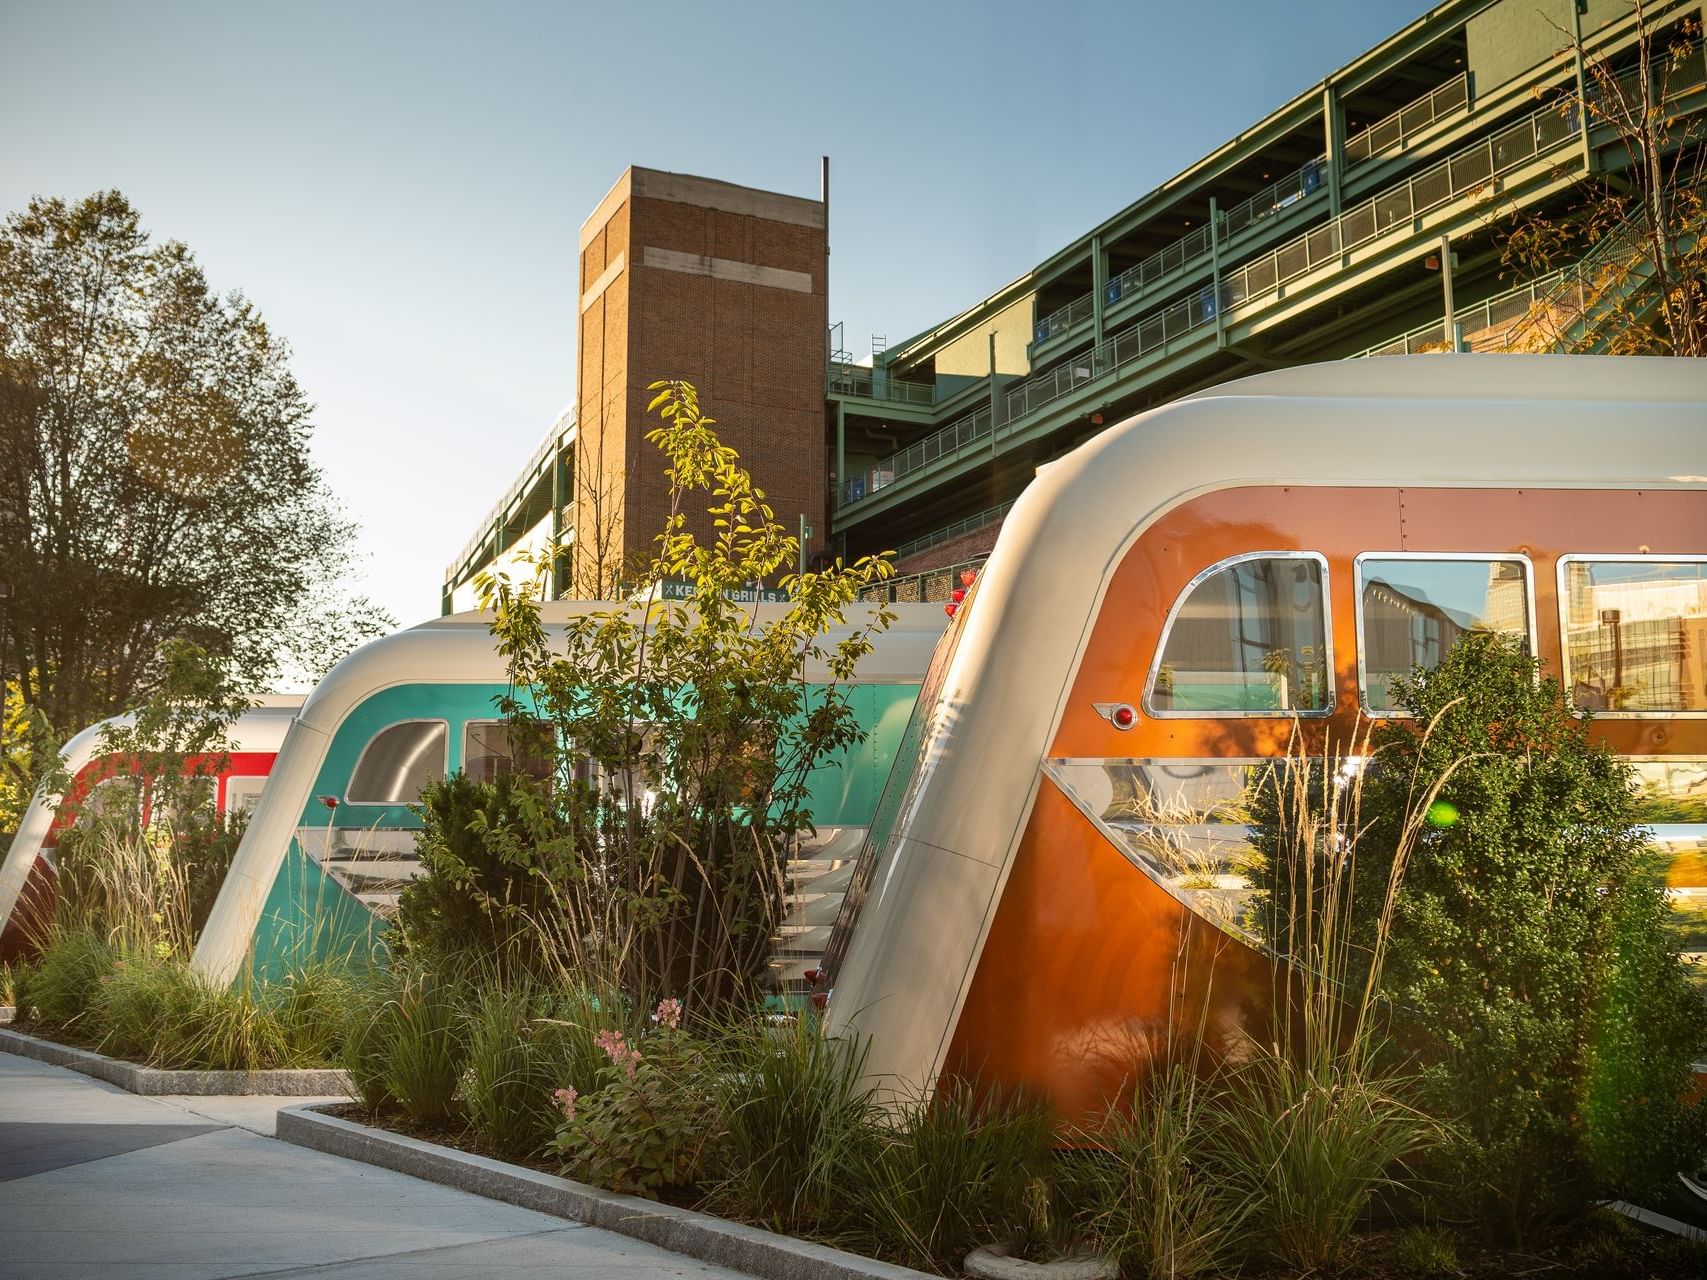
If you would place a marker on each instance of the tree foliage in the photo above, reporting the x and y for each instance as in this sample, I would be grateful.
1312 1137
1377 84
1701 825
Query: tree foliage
683 735
1637 283
155 477
1523 930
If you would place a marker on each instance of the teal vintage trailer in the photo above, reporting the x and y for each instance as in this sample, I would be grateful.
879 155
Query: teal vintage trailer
332 840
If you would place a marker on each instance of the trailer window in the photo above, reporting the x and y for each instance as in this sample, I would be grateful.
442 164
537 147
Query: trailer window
1412 609
1635 633
398 762
1247 637
494 748
242 794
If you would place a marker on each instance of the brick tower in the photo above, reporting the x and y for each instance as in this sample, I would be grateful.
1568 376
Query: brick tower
726 287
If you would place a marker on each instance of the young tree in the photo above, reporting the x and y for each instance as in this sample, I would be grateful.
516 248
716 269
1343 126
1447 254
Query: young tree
684 735
1641 286
155 479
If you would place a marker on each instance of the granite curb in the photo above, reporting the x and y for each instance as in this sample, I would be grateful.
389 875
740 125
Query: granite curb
697 1235
7 1014
153 1081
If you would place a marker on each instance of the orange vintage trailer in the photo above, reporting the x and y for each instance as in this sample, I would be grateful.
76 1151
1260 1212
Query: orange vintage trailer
1165 605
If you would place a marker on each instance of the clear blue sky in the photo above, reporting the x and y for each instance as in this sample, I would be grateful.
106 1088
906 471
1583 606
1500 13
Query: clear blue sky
399 186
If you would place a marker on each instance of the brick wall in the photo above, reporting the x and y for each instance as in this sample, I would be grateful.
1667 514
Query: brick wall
725 287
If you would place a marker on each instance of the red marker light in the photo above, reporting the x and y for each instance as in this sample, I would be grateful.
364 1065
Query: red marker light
1123 717
811 975
819 999
958 595
968 577
949 609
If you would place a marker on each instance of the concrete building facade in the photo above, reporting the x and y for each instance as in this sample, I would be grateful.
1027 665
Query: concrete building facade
1337 226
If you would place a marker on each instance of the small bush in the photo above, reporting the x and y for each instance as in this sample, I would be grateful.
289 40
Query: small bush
72 964
479 898
426 1047
1152 1199
651 1127
1640 1125
140 1001
1422 1253
954 1172
365 1044
1505 937
796 1111
1307 1142
524 1046
310 1005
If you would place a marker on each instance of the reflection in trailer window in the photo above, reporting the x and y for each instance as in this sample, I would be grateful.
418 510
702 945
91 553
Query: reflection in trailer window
1249 636
494 748
1635 633
398 762
242 794
1412 608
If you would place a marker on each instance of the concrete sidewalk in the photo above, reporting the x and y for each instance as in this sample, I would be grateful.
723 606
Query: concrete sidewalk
97 1182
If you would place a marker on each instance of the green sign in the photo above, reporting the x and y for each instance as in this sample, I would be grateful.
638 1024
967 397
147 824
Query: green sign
675 589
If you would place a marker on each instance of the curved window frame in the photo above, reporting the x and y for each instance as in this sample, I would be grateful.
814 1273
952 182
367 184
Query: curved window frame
361 758
1596 557
1532 639
545 726
1184 595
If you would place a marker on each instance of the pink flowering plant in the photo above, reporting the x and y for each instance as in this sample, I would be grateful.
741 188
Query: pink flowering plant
651 1125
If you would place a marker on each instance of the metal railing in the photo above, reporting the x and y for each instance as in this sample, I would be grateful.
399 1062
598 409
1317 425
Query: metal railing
1466 170
861 380
1283 194
1409 120
959 529
958 434
1136 340
485 530
1309 178
929 587
1064 318
1475 322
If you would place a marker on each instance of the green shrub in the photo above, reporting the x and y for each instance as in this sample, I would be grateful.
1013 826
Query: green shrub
524 1046
310 1005
1503 940
480 899
1423 1253
153 1009
364 1049
71 966
141 999
651 1126
1151 1198
1639 1124
951 1173
797 1112
1307 1141
426 1047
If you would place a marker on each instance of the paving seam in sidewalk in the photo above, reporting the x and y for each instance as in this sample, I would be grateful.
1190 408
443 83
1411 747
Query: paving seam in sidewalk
309 1269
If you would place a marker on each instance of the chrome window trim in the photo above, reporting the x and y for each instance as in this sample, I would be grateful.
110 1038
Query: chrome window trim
1204 575
356 768
1596 557
1357 608
1051 766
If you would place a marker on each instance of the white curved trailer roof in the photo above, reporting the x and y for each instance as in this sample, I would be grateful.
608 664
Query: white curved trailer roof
1440 421
261 728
